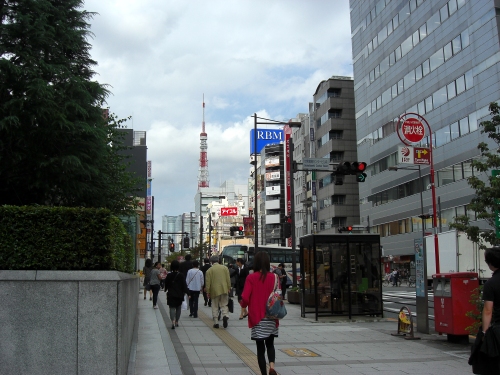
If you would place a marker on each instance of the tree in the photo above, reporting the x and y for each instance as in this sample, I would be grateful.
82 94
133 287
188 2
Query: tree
486 203
56 147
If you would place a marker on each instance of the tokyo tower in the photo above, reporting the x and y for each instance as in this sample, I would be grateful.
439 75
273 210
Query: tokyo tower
203 174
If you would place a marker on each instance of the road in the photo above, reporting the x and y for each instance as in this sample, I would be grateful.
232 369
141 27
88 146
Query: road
396 297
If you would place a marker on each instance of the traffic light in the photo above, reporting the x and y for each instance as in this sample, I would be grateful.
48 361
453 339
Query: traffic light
345 229
287 227
185 242
360 171
238 230
171 247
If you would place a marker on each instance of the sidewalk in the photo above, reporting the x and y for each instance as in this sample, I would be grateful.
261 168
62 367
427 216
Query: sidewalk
303 346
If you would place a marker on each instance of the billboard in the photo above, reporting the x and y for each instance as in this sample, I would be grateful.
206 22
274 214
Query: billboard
265 137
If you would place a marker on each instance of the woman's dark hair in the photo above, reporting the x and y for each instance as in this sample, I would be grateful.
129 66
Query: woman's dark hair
261 264
156 263
492 256
149 263
174 266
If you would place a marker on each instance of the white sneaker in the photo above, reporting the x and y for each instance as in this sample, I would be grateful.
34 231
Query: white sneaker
155 307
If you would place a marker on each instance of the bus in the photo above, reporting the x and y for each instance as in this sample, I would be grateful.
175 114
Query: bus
277 255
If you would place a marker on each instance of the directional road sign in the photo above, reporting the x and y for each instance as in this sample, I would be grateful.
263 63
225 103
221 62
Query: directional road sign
318 164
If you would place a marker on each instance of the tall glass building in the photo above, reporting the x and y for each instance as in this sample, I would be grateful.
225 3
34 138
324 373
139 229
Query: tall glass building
440 59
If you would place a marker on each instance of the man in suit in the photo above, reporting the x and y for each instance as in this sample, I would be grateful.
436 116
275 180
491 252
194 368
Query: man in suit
185 266
241 276
218 287
204 269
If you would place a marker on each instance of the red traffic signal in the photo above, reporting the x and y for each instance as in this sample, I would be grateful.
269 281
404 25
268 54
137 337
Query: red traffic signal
345 229
361 166
172 246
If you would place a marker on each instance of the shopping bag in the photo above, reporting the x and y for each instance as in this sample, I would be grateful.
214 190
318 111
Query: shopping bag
230 305
185 303
275 308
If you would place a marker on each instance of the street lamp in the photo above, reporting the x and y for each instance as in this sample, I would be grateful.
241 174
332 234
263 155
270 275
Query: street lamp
201 221
422 302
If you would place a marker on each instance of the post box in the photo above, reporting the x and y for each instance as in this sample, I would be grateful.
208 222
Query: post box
452 294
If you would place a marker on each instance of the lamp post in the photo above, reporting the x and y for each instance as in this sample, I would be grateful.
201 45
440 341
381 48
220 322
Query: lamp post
422 295
201 221
255 138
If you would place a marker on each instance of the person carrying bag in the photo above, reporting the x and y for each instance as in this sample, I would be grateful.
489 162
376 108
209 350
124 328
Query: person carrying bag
259 287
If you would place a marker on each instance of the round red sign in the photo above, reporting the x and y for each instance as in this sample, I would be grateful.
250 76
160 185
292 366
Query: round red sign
413 130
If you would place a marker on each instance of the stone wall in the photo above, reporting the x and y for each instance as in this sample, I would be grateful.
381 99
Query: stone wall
66 322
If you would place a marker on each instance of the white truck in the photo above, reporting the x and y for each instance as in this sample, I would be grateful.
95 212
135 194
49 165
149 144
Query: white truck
456 254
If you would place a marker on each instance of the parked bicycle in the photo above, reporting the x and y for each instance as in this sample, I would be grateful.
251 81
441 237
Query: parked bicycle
411 281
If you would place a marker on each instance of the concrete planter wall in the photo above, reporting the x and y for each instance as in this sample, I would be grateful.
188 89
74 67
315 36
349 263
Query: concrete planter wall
66 322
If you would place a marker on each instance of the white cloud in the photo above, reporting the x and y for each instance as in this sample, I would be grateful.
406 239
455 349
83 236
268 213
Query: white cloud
245 56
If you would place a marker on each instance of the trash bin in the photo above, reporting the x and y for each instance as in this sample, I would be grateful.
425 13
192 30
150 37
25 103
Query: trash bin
452 293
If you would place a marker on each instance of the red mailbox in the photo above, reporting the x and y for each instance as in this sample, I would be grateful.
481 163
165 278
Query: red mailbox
452 293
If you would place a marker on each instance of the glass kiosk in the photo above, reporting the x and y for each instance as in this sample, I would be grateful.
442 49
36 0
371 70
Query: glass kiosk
341 275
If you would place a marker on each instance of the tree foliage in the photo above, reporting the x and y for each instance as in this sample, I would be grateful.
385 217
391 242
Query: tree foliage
486 203
56 147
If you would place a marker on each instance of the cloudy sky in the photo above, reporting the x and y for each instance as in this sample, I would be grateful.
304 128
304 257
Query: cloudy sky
159 57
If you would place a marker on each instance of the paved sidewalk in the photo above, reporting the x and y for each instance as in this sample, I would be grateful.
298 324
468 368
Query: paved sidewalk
364 347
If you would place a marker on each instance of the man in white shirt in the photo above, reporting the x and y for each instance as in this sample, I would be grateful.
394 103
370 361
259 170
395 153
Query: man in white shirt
195 282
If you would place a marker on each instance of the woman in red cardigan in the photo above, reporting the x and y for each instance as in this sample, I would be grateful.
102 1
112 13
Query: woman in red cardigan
258 287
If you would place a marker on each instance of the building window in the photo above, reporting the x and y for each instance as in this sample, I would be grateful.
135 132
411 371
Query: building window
336 156
339 221
338 199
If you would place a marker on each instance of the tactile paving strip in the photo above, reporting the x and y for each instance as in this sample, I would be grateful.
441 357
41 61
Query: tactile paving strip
245 354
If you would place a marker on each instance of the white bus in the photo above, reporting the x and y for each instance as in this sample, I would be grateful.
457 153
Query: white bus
277 255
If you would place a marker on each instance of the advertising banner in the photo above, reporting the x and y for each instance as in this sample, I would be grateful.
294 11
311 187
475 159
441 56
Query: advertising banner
229 211
271 176
265 137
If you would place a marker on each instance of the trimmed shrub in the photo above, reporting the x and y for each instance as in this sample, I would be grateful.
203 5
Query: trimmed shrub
63 238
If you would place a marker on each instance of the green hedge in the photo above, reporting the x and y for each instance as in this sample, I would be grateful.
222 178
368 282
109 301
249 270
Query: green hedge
63 238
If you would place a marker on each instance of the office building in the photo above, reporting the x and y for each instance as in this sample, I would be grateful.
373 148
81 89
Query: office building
439 59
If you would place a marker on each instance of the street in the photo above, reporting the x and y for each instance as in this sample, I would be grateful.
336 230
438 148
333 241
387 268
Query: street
396 297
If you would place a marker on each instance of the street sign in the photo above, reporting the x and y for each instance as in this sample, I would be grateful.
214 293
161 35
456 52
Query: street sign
319 164
413 130
414 155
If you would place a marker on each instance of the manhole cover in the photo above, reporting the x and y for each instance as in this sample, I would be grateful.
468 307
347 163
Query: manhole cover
299 352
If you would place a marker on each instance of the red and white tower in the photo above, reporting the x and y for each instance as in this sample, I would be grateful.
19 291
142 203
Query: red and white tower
203 175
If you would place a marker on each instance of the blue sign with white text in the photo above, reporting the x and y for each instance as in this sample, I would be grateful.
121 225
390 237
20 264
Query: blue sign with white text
265 137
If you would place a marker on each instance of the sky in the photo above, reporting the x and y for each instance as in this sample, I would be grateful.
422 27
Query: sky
160 58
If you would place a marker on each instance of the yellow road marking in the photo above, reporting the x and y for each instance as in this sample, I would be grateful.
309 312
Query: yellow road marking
245 354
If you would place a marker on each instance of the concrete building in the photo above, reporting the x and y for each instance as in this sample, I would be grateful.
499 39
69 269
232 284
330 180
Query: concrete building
439 59
236 195
324 201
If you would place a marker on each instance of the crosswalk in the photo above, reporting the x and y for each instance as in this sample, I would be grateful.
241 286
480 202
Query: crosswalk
394 299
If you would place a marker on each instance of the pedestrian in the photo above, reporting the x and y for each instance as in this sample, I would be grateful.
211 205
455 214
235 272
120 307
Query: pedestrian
185 266
240 283
395 277
146 270
194 281
258 286
280 271
490 334
176 287
204 269
218 288
154 283
163 274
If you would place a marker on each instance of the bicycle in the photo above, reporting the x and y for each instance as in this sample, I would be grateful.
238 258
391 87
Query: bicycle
411 281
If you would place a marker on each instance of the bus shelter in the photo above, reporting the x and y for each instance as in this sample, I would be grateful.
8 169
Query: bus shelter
340 275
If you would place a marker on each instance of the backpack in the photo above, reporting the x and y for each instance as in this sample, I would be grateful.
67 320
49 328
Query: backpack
275 308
